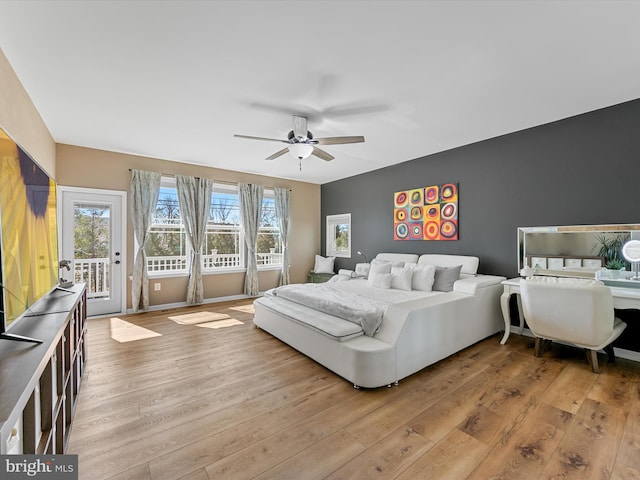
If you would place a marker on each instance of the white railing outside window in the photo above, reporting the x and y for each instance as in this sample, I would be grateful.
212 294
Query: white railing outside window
222 260
269 258
166 264
94 272
213 261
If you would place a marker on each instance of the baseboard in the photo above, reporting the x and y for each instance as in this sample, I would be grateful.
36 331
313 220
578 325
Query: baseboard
620 352
167 306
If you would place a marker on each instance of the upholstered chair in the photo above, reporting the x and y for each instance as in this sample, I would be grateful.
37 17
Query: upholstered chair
571 310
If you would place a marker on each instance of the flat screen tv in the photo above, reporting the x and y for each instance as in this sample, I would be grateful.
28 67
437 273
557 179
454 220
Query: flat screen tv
29 235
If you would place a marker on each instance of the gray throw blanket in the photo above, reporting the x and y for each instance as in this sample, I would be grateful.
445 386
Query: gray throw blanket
345 305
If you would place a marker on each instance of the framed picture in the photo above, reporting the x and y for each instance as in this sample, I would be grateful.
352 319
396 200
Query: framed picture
427 213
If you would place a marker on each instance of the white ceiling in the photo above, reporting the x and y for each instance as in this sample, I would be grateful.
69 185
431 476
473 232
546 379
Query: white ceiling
176 79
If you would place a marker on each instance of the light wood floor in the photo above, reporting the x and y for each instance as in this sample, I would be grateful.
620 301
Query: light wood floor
187 401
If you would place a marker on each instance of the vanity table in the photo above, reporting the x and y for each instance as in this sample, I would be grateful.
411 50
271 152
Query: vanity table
623 298
574 251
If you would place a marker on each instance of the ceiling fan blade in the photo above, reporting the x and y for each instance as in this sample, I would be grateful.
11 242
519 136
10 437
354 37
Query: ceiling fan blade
261 138
338 140
299 126
277 154
322 154
354 109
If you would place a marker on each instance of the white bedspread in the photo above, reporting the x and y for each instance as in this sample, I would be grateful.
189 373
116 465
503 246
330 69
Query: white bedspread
352 300
364 311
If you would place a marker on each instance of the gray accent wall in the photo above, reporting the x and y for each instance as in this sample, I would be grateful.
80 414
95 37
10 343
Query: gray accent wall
580 170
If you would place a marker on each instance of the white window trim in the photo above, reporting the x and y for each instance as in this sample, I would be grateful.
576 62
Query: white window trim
170 182
229 188
332 221
270 193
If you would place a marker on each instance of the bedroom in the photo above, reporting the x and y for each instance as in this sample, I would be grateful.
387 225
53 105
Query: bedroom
565 170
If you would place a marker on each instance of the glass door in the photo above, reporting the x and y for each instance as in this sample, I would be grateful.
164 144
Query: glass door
92 242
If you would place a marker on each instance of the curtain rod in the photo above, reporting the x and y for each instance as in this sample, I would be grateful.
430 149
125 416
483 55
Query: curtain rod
223 182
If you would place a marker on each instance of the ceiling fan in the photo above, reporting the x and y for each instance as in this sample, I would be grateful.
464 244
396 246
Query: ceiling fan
301 144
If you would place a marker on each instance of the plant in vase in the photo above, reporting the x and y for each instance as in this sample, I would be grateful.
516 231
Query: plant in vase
615 266
609 247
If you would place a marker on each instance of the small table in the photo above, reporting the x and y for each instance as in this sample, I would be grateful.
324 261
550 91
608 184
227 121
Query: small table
314 277
623 298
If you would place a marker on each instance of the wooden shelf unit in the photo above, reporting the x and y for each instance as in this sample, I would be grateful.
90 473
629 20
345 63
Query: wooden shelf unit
39 383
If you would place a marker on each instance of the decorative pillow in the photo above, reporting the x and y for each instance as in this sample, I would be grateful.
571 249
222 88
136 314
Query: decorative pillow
362 269
423 277
380 267
324 264
379 280
445 278
401 278
393 264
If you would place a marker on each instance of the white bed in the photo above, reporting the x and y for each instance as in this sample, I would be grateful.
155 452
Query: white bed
418 328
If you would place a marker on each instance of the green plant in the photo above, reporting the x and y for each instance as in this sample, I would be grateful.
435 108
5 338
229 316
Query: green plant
615 264
609 247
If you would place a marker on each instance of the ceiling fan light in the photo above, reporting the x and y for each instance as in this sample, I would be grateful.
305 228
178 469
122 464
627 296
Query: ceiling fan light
300 150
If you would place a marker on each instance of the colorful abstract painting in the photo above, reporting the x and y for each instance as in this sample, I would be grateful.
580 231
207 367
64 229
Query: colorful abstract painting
429 213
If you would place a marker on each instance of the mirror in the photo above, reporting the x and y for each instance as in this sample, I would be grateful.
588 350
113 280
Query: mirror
631 253
576 251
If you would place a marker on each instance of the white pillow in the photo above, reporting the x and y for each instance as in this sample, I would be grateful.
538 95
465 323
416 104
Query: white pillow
324 265
401 278
423 277
393 264
380 267
379 280
362 269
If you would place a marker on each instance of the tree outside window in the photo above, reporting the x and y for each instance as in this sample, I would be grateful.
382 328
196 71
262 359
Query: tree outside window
166 246
269 243
224 242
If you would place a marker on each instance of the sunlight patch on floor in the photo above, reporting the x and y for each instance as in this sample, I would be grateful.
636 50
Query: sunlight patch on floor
243 308
229 322
198 317
122 331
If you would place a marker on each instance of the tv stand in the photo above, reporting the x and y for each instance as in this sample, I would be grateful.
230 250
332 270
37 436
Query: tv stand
40 382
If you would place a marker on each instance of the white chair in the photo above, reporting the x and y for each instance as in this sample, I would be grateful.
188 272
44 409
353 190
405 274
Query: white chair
576 311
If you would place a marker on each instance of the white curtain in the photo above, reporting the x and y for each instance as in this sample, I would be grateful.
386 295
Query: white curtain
145 187
250 211
282 214
194 195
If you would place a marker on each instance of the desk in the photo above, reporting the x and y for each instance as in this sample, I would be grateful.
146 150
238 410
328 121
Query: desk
622 298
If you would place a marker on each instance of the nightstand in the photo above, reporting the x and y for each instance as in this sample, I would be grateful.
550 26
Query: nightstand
319 277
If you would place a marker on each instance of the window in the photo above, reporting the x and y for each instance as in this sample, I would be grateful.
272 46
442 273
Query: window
339 235
166 247
224 243
269 244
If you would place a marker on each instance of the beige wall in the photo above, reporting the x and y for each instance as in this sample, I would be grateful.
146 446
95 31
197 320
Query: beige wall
20 119
85 167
